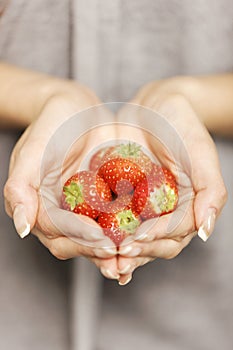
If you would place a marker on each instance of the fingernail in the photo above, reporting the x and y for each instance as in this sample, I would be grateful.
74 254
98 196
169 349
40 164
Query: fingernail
126 281
206 229
96 235
126 269
102 252
20 221
140 236
130 251
109 274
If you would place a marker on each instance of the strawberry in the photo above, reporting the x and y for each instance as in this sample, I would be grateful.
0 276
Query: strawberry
86 193
119 225
122 175
132 152
156 195
97 159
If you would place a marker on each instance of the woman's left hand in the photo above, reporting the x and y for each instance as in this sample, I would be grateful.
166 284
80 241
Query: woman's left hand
202 193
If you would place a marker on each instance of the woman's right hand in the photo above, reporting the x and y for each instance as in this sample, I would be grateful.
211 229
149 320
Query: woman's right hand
31 166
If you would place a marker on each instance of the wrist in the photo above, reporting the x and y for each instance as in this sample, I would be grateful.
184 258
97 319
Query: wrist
60 89
191 89
30 91
187 86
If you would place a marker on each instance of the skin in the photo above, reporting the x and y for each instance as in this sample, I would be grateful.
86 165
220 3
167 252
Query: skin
205 102
162 240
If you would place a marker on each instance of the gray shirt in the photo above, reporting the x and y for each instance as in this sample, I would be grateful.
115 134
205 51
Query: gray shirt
115 47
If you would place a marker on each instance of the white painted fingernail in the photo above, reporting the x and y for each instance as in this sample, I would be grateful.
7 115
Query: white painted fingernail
130 251
126 269
20 221
102 252
206 229
126 281
141 236
96 235
126 250
109 274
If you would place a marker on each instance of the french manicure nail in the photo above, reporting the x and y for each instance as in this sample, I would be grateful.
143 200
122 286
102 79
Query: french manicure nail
141 236
96 235
126 250
126 269
130 251
109 274
20 221
206 229
102 252
126 281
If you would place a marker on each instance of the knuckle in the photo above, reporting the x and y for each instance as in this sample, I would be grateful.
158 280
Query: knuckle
10 188
7 188
220 196
8 209
223 194
171 256
56 250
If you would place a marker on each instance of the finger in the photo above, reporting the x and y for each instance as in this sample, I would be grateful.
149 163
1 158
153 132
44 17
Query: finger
126 267
125 279
54 221
72 225
203 167
174 225
210 199
108 267
21 203
206 176
20 190
64 248
162 248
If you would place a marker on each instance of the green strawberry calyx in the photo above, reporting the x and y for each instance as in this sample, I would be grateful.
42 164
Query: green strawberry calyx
127 221
74 194
163 199
129 150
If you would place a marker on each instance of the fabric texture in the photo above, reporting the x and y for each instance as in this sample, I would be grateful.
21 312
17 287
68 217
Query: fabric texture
115 47
122 45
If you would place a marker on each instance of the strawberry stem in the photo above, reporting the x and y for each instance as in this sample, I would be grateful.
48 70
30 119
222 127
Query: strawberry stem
127 221
73 193
163 199
129 150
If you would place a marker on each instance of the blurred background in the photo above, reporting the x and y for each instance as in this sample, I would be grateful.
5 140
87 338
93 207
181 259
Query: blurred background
115 47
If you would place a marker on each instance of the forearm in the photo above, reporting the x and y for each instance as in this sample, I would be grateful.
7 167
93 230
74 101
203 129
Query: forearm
210 96
23 93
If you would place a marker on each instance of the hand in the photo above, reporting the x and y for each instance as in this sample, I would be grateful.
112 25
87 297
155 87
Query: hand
38 167
190 153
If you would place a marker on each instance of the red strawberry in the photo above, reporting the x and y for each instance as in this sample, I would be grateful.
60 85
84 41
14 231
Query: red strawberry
122 175
119 203
119 225
157 195
97 159
85 193
133 152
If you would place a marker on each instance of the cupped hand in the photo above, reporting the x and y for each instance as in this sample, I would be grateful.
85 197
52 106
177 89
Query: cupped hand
51 149
173 132
55 146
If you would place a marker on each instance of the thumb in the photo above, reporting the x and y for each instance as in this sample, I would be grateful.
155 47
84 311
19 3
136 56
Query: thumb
21 203
205 173
211 194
